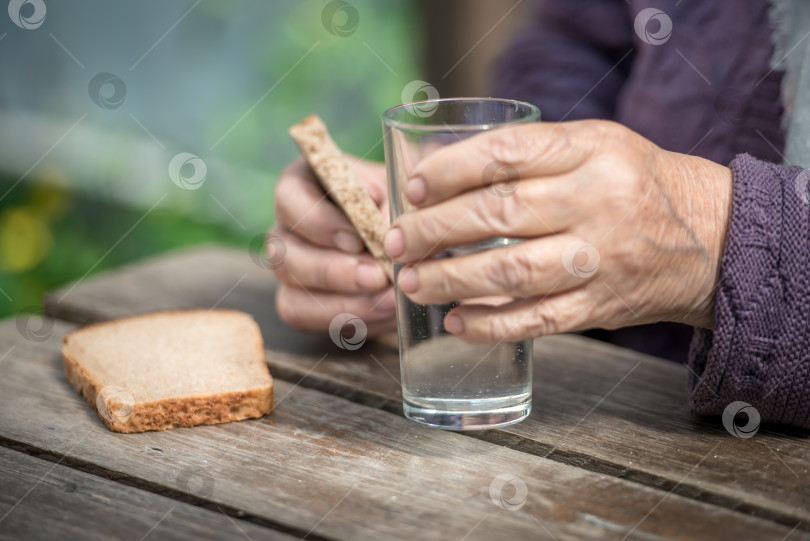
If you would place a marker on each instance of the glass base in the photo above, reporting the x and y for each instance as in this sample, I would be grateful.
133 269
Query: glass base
467 420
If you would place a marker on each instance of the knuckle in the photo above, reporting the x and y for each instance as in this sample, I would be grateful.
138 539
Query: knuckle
512 146
495 214
514 273
599 129
492 328
542 321
600 126
447 277
526 146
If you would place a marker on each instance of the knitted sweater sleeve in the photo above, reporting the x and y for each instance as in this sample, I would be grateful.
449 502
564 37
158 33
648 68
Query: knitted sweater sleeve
759 350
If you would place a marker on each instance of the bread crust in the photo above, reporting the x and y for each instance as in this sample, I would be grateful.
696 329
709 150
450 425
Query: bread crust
172 412
336 176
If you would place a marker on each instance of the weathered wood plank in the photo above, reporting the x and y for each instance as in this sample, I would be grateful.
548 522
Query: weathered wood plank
328 467
605 408
208 276
43 500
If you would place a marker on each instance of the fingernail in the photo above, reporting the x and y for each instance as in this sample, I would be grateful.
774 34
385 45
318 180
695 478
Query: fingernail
454 324
385 301
348 242
408 280
416 190
370 276
394 243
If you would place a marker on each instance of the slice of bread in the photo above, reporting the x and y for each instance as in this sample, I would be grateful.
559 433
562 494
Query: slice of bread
337 178
168 369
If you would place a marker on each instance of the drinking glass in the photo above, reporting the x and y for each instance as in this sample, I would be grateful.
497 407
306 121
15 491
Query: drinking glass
448 382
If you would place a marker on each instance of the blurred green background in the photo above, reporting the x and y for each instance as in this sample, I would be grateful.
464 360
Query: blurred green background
97 99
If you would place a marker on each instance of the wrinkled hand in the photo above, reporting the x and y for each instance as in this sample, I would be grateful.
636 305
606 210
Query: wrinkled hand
617 231
326 270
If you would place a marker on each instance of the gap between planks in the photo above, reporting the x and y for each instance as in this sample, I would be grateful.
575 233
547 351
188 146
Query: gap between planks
155 488
547 451
516 443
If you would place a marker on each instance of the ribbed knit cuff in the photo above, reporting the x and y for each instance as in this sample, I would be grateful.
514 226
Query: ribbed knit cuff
759 351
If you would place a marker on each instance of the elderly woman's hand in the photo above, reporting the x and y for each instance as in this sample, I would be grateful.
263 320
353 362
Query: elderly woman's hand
617 231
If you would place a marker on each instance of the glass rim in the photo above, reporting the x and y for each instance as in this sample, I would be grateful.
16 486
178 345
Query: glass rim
389 120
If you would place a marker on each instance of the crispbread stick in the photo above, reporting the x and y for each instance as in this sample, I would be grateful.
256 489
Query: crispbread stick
337 178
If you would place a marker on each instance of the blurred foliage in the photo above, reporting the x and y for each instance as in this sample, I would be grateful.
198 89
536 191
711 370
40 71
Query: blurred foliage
57 227
50 235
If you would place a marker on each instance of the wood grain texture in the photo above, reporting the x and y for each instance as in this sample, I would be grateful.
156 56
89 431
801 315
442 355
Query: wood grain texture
600 407
43 500
325 467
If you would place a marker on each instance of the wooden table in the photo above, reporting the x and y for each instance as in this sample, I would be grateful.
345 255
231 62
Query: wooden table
609 452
